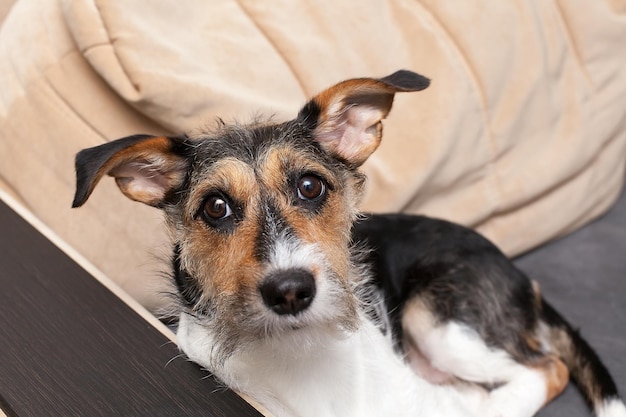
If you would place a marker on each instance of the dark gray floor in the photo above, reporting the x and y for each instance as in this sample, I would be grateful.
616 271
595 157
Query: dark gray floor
583 275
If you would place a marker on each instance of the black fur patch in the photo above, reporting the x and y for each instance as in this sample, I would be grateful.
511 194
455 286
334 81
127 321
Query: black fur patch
272 224
309 115
456 271
187 286
407 80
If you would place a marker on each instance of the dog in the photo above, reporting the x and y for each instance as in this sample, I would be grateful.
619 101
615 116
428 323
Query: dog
291 296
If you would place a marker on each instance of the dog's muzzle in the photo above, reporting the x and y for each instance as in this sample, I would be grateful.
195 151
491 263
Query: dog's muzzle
288 291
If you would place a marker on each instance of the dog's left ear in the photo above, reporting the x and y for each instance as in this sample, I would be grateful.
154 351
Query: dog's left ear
148 169
347 117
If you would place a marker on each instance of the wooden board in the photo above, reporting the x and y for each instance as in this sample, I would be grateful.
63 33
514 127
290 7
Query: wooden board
70 347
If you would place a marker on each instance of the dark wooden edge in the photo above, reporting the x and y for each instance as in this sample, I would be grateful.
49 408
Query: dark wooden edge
74 345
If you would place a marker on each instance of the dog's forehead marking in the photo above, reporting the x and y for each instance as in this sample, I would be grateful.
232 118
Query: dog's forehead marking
281 163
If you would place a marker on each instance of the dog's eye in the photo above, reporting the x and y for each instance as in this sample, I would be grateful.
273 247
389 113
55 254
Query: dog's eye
215 207
310 187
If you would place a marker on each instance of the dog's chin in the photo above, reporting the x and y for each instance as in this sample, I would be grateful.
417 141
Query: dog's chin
212 340
306 341
299 333
310 329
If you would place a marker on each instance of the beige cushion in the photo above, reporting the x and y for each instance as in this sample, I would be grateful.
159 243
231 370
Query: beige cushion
522 133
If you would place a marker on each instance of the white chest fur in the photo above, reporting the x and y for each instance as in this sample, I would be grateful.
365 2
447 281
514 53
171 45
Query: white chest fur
325 375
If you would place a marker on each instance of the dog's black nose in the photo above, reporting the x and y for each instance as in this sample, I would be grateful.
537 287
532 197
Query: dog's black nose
288 292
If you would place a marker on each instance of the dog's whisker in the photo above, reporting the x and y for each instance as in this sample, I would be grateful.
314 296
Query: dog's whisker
182 355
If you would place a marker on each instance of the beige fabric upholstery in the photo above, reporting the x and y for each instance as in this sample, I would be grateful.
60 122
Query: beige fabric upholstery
5 6
522 133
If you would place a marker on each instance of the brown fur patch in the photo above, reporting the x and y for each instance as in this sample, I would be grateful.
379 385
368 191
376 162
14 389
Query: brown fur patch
333 100
223 262
537 293
555 373
531 340
150 159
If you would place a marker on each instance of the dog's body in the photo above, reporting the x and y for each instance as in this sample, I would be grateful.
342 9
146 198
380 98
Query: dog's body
275 290
461 310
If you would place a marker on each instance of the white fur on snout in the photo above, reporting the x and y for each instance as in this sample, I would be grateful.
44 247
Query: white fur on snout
288 253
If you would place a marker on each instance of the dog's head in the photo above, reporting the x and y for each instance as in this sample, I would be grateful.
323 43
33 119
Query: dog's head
260 214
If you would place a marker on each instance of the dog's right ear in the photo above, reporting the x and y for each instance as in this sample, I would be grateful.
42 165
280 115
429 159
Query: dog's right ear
146 168
346 118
